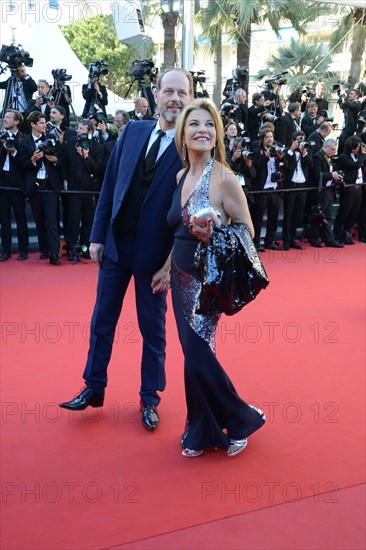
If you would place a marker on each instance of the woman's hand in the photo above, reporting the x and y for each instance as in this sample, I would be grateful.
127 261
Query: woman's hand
202 232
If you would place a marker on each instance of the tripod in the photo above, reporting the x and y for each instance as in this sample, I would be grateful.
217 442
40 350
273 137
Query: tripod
140 91
11 101
59 87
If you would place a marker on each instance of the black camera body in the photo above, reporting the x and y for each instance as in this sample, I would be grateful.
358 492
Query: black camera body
15 56
48 147
228 109
277 177
96 115
8 140
97 68
83 141
140 69
245 153
60 75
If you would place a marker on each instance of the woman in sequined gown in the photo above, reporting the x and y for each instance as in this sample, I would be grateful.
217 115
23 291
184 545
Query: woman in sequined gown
216 415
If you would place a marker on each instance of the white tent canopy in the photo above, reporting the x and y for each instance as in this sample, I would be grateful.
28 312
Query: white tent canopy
50 50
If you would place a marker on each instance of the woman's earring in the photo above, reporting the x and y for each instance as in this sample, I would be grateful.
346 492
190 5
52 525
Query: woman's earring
184 151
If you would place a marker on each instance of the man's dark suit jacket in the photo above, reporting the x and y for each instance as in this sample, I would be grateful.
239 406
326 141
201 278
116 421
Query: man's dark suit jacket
16 176
90 96
154 237
284 130
308 125
31 107
29 87
321 168
318 139
25 152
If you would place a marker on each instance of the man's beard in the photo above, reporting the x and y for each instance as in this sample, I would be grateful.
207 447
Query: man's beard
169 117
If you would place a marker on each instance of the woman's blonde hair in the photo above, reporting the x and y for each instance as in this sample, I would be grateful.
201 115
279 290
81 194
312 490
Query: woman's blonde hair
219 149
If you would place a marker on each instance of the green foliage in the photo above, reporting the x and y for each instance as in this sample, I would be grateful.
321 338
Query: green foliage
306 63
95 38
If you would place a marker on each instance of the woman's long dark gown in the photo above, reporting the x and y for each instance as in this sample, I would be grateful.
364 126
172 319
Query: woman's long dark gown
212 402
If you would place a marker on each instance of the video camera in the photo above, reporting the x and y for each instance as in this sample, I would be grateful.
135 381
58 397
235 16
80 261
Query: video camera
277 78
15 56
96 68
140 69
199 78
60 76
8 140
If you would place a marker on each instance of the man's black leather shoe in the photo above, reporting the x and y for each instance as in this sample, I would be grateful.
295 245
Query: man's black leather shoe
334 244
273 246
286 246
5 256
150 417
297 246
316 244
55 260
88 397
43 256
22 256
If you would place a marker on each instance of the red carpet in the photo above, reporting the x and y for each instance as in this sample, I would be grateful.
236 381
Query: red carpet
97 480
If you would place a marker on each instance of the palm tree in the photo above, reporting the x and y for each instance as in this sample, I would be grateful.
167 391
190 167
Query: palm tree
306 63
353 27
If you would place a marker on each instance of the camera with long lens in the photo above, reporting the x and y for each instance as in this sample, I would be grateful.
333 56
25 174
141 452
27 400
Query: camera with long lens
308 145
15 56
96 114
245 153
271 117
277 149
83 141
309 92
48 147
46 98
317 215
8 140
228 109
140 69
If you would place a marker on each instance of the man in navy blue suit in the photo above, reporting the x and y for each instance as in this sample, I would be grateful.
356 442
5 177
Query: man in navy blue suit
130 237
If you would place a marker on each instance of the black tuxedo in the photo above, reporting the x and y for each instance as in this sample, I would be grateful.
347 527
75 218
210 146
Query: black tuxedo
350 197
12 199
31 107
285 128
350 110
318 140
309 124
45 206
254 120
322 174
29 87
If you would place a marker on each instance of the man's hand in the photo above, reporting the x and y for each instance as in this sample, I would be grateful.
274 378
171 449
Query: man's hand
37 155
96 251
82 152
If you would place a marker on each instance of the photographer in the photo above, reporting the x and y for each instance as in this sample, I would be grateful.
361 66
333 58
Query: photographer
101 130
240 108
230 132
62 92
41 160
271 93
351 106
11 175
82 168
299 164
95 94
289 124
57 126
318 137
140 111
311 121
269 163
350 163
326 177
44 100
22 87
240 160
256 114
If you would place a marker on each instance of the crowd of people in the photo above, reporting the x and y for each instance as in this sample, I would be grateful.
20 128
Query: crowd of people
273 146
160 170
280 149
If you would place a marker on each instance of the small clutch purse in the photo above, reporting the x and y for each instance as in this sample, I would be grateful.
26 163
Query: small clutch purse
202 216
